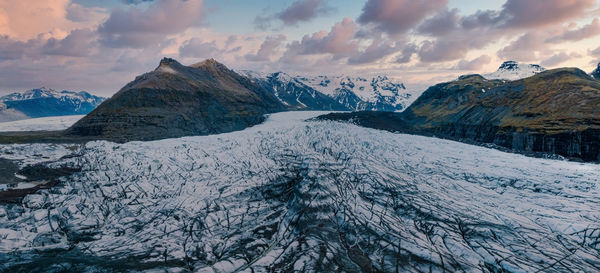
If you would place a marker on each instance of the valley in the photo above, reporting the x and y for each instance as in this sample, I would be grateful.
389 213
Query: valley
303 195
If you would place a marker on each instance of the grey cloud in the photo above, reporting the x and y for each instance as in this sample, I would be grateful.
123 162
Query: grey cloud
474 64
558 58
398 16
302 11
523 48
299 11
196 48
267 49
407 52
79 43
442 23
374 52
587 31
337 42
137 28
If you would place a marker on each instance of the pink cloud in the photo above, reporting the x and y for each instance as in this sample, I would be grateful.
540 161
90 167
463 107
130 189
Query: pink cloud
585 32
134 27
475 64
398 16
338 41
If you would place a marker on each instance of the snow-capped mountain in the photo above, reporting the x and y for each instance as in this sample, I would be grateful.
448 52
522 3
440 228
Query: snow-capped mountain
378 93
291 195
46 102
596 73
511 70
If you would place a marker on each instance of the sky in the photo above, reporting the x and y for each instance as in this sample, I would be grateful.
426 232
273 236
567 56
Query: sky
99 46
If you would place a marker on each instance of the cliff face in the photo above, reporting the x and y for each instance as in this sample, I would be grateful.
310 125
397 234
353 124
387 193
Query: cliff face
555 111
176 100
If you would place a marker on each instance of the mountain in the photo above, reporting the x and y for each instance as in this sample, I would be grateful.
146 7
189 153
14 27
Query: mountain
45 102
379 93
176 100
511 70
554 112
293 93
596 73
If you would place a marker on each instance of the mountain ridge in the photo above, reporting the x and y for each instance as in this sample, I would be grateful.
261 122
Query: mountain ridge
377 93
45 102
551 112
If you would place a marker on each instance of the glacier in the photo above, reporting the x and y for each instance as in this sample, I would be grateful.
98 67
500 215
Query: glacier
296 194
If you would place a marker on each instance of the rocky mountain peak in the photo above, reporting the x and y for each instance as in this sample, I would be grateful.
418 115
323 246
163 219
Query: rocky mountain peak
511 70
210 64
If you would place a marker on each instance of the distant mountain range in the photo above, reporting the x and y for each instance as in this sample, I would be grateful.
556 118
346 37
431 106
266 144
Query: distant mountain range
45 102
552 112
378 93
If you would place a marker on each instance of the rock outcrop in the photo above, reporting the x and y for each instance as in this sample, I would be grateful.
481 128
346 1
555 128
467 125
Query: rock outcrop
176 100
555 111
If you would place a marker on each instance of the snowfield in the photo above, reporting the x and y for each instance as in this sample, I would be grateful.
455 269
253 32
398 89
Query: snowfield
296 195
40 124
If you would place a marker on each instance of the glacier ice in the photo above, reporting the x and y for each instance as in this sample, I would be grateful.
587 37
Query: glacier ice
291 194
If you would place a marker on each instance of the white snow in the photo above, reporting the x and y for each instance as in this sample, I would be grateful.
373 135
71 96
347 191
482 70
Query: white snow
284 193
521 71
40 124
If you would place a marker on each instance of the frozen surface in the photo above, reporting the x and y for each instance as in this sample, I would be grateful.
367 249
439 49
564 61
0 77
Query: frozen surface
308 196
40 124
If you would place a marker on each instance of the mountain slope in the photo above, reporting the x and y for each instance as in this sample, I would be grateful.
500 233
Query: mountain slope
176 100
45 102
378 93
554 111
511 70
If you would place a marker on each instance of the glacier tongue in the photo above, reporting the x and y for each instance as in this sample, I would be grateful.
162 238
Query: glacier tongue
320 196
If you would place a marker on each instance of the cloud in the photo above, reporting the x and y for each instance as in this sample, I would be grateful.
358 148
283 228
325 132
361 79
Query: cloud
137 28
267 49
587 31
79 43
135 2
407 52
374 52
298 12
524 48
442 23
398 16
79 13
559 58
337 42
519 14
11 49
196 48
535 13
26 19
595 53
475 64
303 11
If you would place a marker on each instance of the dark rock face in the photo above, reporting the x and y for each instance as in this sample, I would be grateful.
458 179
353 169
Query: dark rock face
552 112
176 100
